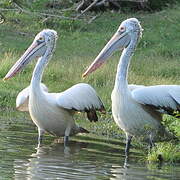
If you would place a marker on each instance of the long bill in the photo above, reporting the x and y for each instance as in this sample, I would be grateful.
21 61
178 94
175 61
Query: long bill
32 52
118 41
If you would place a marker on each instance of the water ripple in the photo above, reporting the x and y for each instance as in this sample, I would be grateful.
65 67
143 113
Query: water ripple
86 157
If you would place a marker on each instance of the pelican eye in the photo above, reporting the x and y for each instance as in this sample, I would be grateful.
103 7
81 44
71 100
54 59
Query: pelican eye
40 40
122 29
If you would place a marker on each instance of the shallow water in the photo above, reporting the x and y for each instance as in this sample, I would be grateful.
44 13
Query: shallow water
87 157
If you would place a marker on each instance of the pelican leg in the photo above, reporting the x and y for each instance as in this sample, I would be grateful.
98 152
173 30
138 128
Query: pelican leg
66 137
40 137
151 143
66 140
128 144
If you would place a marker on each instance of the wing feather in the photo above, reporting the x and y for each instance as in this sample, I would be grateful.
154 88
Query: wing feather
22 98
80 97
163 98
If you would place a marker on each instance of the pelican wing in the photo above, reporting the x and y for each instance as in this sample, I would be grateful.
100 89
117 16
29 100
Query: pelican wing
134 86
81 97
163 98
22 99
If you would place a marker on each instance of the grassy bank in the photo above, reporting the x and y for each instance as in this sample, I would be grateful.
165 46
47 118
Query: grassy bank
156 61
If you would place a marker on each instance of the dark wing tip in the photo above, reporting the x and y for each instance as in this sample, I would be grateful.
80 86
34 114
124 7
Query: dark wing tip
91 115
102 109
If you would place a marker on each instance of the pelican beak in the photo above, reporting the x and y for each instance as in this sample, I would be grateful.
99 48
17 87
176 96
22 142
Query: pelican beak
118 41
36 49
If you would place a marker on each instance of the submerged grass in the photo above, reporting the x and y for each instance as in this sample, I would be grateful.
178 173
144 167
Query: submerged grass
156 61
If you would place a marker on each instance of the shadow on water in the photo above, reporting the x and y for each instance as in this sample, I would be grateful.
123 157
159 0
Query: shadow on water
86 157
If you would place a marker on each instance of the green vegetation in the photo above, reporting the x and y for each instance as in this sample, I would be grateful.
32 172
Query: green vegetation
156 61
165 152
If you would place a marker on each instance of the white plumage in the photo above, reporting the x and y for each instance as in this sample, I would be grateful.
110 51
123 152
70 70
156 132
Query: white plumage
136 109
132 87
79 97
22 99
53 112
162 97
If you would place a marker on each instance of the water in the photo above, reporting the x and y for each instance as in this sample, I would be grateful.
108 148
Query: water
86 157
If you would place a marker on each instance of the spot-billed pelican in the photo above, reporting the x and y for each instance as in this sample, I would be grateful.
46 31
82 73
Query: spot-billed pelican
53 112
137 110
22 99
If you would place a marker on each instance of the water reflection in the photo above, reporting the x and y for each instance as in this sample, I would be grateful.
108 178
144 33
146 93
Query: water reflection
80 160
57 162
139 172
87 157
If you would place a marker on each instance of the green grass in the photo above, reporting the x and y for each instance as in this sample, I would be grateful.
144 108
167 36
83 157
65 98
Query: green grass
168 151
156 60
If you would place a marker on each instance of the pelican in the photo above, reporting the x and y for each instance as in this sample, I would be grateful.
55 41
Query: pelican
22 99
136 109
53 112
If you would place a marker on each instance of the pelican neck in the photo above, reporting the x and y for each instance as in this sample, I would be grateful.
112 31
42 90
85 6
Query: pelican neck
38 70
121 82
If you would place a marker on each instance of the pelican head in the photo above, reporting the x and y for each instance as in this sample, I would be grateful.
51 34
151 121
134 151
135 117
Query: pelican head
129 31
45 40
